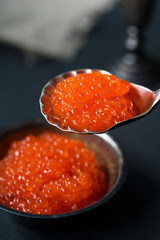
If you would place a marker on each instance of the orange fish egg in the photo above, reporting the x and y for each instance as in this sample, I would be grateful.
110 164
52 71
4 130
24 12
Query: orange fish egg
50 174
91 102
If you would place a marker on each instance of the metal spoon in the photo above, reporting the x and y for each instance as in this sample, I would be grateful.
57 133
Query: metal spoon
147 100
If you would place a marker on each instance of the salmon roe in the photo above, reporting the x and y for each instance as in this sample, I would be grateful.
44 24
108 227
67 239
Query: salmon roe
90 102
50 174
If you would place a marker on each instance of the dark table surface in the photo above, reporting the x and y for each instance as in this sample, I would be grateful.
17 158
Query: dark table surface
134 212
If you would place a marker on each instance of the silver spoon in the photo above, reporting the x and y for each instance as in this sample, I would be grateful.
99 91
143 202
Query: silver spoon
148 99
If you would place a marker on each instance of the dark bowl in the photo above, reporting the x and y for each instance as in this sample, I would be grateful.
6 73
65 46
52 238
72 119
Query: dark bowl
107 152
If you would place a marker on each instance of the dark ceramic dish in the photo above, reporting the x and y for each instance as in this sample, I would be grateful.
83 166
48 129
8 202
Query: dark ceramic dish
107 153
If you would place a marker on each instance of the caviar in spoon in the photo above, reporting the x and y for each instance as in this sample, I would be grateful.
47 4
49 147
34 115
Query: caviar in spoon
87 101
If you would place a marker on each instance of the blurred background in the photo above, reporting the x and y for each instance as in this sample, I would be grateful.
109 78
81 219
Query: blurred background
40 39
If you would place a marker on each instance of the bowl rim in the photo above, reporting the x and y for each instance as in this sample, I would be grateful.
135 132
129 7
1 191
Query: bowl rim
119 182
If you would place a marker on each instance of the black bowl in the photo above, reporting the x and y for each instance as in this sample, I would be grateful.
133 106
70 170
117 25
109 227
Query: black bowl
107 152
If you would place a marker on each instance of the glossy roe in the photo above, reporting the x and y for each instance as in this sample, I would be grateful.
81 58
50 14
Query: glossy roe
49 174
90 102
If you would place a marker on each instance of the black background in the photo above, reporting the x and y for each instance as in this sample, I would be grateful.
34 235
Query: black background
134 212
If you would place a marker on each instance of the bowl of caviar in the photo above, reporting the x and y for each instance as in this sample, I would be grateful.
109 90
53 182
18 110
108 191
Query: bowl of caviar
48 175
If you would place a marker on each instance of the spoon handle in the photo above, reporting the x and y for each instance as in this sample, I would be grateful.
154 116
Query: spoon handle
157 93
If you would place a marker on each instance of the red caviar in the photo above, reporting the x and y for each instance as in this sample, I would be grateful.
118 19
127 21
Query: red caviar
50 174
90 102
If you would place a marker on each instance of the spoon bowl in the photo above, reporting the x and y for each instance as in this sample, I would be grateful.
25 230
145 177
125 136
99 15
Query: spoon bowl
144 98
